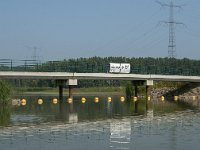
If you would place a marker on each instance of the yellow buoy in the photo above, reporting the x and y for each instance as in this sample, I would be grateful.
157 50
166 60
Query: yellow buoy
40 101
69 100
23 102
96 99
193 98
55 101
175 98
109 99
122 98
83 100
149 98
162 98
135 99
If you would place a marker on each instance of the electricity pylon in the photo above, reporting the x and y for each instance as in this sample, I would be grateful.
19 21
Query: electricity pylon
172 24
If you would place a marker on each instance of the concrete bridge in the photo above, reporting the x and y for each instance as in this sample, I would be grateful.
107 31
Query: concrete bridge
95 76
70 79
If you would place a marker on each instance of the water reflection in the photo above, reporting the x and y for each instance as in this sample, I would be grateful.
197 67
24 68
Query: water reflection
78 111
172 131
98 126
4 115
120 133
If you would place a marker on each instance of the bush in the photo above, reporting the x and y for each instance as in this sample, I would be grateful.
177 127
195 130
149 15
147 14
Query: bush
5 91
129 90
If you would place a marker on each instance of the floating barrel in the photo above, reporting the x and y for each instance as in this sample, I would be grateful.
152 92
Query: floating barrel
122 98
162 98
69 100
96 99
175 98
55 101
135 99
109 99
40 101
23 102
149 98
83 100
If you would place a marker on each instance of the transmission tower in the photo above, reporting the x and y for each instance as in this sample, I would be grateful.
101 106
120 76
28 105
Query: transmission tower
172 24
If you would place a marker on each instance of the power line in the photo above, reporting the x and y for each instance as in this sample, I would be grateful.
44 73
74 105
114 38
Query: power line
172 23
130 31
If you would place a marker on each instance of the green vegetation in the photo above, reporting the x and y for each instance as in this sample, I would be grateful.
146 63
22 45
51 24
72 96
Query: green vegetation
5 91
138 65
165 66
4 115
129 90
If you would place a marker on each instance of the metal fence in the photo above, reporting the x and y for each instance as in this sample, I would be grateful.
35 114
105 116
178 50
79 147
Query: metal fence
83 67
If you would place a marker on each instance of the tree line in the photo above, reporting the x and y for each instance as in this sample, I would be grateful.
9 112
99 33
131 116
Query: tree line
148 65
140 65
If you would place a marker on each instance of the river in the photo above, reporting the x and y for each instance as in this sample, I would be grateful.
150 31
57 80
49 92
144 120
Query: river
99 126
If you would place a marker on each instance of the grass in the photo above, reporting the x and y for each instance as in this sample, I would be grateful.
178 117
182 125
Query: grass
46 90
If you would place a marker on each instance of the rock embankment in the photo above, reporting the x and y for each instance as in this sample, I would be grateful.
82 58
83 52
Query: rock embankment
192 96
189 93
158 92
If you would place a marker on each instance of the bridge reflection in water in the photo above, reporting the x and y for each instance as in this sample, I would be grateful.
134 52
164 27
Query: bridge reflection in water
100 125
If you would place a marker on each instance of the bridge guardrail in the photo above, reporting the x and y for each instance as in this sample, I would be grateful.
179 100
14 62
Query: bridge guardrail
83 67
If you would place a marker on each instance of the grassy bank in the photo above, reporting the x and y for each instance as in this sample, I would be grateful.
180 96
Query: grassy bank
76 91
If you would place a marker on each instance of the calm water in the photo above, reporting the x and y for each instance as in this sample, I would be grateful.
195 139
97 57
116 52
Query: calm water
99 126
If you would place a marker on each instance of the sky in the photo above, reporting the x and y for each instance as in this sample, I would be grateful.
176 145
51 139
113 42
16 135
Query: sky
63 29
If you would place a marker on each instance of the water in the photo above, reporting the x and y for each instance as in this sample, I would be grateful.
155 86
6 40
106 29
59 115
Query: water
99 126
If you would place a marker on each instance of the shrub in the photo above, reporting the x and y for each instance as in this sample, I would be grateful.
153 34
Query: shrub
5 91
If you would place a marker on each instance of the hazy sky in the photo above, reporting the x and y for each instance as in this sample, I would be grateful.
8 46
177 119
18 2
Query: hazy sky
61 29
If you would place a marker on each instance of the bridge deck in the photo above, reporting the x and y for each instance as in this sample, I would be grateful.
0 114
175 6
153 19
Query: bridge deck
102 76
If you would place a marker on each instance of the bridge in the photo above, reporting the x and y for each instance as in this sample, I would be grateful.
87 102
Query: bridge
69 72
70 79
95 76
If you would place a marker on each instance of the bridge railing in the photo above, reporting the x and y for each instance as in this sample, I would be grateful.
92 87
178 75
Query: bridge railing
18 65
83 67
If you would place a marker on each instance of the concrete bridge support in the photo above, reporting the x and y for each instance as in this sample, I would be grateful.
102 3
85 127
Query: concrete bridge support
136 84
71 83
61 84
148 84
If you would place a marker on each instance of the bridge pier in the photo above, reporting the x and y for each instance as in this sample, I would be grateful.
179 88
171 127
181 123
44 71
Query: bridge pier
61 84
70 91
71 83
136 84
148 84
61 93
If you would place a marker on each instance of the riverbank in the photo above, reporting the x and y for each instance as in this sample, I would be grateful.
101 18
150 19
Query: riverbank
76 91
188 93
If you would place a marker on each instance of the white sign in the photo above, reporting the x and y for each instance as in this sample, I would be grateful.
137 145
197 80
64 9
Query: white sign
114 67
120 68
